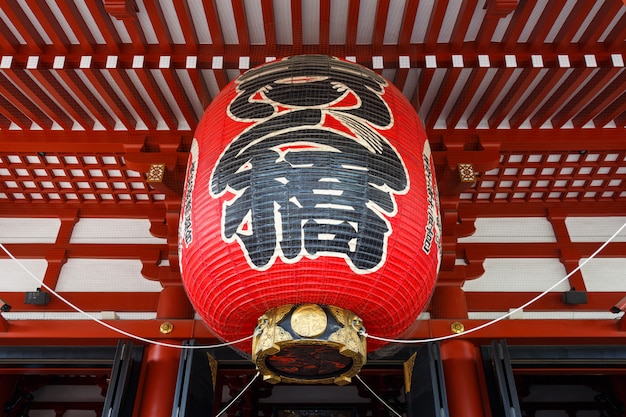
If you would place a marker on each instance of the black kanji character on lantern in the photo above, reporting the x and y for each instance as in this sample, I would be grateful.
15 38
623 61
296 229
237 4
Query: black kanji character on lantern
312 176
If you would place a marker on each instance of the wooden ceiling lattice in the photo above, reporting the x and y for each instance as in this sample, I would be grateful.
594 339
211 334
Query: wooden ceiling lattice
553 177
125 65
86 178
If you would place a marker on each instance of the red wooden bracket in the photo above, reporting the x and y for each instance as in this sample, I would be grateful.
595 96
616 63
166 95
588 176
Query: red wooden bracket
121 9
500 8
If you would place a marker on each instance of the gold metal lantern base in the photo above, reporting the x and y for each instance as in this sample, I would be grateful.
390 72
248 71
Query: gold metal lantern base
309 344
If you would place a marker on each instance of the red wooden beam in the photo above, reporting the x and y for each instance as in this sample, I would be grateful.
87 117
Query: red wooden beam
425 79
137 37
221 77
577 16
486 301
519 20
296 24
78 26
352 26
486 31
621 119
13 114
150 85
547 83
23 103
58 332
616 38
515 140
49 23
5 123
215 28
477 252
464 18
324 36
447 85
200 86
434 25
560 96
511 99
380 23
612 112
568 252
406 28
59 210
121 9
113 102
544 332
8 42
242 26
469 90
131 94
86 97
180 96
27 31
544 25
187 25
495 88
600 22
540 209
21 79
159 25
400 78
107 29
269 26
613 92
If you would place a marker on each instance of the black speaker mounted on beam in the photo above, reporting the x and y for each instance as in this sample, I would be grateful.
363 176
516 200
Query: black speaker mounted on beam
38 297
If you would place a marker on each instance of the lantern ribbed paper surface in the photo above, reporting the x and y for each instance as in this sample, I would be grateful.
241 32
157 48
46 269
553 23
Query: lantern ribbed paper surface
309 181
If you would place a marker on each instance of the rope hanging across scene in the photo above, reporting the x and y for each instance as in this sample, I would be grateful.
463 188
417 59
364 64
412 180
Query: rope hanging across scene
109 326
504 316
404 341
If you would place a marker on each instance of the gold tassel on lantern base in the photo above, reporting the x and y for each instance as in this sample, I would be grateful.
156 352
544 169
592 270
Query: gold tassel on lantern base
309 344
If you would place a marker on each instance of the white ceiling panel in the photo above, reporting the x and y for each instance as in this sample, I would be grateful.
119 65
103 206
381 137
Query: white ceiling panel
256 26
338 20
604 274
595 229
511 230
282 17
13 278
122 231
311 22
367 19
104 275
519 275
29 230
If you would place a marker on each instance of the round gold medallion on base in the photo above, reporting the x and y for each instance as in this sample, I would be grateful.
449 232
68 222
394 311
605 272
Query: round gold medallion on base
309 344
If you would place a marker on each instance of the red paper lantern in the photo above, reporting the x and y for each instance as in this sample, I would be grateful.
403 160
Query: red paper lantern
310 181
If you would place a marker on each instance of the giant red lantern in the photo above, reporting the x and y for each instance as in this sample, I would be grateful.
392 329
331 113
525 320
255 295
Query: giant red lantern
310 205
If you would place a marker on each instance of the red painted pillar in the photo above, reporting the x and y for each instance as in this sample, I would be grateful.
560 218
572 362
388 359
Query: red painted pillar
161 364
161 370
463 386
448 302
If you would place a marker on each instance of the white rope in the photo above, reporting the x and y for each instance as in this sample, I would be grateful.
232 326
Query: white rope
510 313
363 333
223 410
378 397
111 327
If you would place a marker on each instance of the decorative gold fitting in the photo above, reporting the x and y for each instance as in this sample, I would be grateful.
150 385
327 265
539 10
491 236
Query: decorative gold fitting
156 173
466 172
288 338
457 327
166 327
